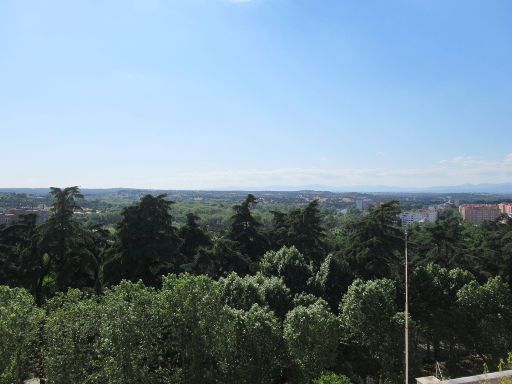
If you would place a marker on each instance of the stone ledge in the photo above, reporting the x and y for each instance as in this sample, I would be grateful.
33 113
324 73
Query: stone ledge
488 378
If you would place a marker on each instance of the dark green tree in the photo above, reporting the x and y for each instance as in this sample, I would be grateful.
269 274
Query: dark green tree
193 237
245 230
375 243
491 252
445 241
301 228
219 260
333 279
21 258
486 313
147 245
64 240
370 319
306 232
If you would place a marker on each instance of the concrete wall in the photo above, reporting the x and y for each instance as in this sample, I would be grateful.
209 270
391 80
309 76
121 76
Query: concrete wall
489 378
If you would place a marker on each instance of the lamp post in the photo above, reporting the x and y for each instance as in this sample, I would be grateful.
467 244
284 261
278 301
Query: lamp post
406 314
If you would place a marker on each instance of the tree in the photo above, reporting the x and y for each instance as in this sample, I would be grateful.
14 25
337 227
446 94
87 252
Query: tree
64 240
257 353
432 297
311 336
131 342
243 292
375 242
239 292
147 244
72 335
19 332
99 243
245 229
491 253
290 265
22 261
278 234
274 293
306 232
195 320
301 228
486 313
333 279
445 237
332 378
219 260
193 237
368 316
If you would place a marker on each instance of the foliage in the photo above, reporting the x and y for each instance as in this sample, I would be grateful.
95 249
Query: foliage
302 229
66 242
239 292
274 293
311 336
290 265
255 342
368 317
486 313
374 243
19 332
193 237
147 244
130 342
72 332
245 229
260 297
333 279
332 378
194 320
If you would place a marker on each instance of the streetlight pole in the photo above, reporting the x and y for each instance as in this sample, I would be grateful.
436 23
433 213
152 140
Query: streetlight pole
406 314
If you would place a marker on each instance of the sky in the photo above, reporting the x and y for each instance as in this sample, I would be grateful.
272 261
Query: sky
203 94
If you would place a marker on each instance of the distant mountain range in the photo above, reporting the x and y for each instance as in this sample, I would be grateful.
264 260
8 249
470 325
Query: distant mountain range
505 188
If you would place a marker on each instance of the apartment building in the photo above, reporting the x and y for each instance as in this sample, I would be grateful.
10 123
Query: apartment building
479 213
506 208
11 216
429 215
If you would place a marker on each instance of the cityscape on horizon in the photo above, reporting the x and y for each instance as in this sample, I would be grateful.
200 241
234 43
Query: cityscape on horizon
256 191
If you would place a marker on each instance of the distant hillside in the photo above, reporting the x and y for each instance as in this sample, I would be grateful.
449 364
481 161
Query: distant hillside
505 188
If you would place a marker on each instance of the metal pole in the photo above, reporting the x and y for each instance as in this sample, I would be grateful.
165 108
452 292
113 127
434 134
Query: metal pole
406 314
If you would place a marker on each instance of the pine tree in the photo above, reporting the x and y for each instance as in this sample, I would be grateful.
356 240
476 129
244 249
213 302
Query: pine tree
245 230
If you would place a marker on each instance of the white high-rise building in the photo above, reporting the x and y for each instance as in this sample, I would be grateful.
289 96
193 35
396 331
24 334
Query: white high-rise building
429 215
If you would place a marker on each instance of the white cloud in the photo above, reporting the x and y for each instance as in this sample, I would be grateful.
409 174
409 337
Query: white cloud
459 170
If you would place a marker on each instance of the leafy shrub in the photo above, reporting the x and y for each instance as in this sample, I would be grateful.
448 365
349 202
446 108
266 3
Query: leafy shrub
131 335
332 378
311 335
256 348
72 334
289 264
19 327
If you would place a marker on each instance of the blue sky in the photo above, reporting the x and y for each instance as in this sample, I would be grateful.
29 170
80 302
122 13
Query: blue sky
217 93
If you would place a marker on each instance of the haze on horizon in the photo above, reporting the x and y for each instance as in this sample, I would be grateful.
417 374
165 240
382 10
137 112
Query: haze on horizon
202 94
